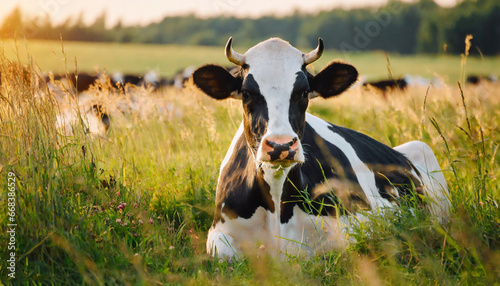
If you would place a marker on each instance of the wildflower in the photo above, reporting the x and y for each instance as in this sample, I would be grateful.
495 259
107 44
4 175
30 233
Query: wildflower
171 247
121 207
150 220
140 221
136 205
117 193
119 221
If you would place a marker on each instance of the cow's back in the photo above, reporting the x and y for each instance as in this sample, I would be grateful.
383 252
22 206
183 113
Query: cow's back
346 170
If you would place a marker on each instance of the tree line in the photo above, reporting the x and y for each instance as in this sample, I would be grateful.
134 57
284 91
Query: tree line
406 28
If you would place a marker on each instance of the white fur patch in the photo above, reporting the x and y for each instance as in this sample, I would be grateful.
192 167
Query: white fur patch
237 235
435 187
230 151
71 118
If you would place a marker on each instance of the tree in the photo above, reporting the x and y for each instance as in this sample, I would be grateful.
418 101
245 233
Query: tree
481 19
430 36
12 25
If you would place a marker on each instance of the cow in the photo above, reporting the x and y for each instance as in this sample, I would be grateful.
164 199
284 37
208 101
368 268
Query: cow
477 79
93 119
81 81
181 77
292 183
150 79
388 85
419 81
119 81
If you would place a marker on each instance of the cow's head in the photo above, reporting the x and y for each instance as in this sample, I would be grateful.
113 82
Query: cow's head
275 89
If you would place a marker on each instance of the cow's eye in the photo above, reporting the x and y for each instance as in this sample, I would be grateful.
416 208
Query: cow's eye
305 94
245 94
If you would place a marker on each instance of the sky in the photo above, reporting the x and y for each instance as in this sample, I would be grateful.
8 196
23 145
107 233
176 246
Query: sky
146 11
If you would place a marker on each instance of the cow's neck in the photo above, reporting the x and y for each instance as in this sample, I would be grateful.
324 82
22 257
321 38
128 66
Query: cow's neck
275 177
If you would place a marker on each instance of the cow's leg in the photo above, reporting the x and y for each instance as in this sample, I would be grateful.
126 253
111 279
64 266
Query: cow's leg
435 187
220 244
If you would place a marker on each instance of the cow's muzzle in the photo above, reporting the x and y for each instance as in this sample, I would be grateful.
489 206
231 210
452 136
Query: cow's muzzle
276 149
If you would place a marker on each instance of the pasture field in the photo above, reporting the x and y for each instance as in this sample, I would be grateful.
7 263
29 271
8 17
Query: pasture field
134 208
168 59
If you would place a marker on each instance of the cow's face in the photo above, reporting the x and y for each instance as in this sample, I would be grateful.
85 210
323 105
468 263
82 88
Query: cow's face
275 89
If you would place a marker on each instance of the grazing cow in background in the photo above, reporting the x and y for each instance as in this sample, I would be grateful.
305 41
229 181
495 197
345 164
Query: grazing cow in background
388 85
181 77
149 79
477 79
473 79
119 81
80 82
95 121
291 181
132 79
419 81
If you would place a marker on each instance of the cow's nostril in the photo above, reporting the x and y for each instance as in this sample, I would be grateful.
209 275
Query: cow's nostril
271 144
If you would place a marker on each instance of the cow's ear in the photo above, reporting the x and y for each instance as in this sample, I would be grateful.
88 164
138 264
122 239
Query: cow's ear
216 81
333 79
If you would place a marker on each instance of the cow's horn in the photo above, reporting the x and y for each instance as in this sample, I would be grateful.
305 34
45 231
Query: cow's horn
314 54
233 56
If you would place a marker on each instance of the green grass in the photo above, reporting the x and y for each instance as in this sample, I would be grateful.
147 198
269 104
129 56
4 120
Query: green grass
73 226
168 59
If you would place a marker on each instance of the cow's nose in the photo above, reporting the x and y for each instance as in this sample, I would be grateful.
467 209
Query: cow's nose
281 147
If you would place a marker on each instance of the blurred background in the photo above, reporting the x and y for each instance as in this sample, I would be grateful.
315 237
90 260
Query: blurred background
405 27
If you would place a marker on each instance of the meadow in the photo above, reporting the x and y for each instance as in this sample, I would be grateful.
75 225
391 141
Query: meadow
134 208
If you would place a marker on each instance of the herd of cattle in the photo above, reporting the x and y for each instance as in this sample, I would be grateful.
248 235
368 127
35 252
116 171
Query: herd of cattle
79 102
83 81
98 120
400 84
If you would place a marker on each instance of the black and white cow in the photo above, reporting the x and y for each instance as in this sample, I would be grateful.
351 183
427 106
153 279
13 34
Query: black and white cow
388 85
291 181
